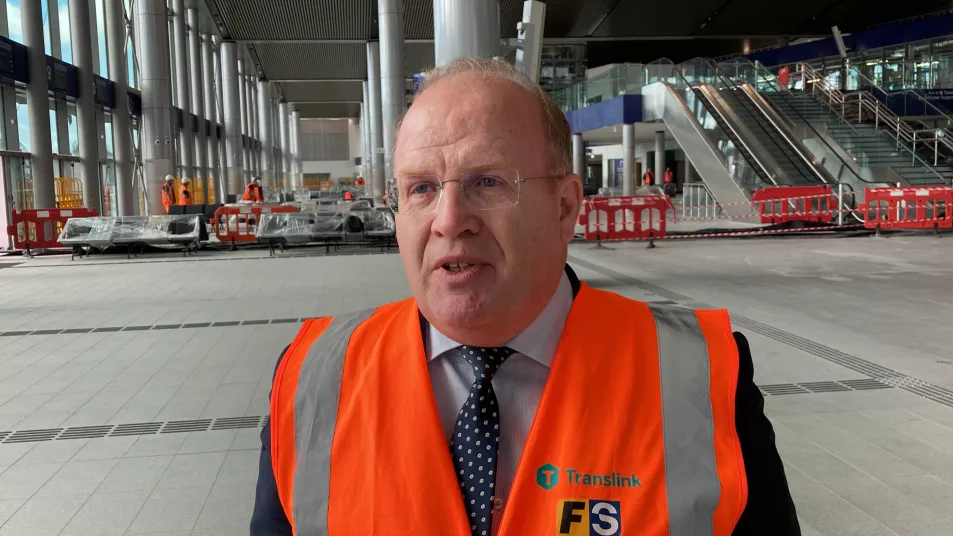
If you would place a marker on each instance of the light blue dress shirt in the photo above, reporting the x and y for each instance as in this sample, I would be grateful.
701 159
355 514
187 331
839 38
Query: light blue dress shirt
518 384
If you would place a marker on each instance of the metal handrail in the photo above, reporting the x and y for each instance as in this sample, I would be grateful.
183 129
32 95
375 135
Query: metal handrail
678 69
796 145
866 101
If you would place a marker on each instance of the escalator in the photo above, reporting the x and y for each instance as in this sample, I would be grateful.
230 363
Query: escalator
778 147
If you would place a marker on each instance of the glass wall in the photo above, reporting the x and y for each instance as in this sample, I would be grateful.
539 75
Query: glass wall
103 60
14 21
917 65
23 121
66 40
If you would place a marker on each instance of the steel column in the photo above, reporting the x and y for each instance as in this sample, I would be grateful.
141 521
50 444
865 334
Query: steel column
197 101
376 182
393 86
465 29
155 82
659 157
579 155
38 103
243 111
285 149
122 126
628 159
210 109
233 117
296 149
366 145
182 96
267 136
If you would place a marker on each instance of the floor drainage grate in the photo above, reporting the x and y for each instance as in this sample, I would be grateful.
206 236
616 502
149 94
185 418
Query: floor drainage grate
231 423
29 436
133 429
822 387
175 427
85 432
141 428
158 327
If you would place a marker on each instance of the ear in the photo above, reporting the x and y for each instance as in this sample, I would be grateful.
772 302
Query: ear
569 193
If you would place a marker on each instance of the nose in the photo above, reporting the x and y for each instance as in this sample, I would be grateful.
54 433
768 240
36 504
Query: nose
454 216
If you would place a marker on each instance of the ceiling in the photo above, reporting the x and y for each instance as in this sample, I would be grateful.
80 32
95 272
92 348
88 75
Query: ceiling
308 46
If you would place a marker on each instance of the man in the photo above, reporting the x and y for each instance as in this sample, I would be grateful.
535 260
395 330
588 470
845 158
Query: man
669 183
253 191
648 178
185 195
168 193
565 408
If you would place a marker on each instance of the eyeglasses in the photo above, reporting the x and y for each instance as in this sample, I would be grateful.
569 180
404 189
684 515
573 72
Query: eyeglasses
482 190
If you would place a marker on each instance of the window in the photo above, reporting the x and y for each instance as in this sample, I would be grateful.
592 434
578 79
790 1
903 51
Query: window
23 122
108 129
103 59
14 21
131 61
66 40
73 128
53 131
47 45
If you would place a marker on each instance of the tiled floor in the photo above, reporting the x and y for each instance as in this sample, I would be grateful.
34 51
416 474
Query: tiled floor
871 462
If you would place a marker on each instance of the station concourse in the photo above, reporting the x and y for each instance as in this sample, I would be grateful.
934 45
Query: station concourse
801 178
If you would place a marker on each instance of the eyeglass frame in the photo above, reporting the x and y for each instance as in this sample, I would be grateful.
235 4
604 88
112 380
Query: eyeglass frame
441 183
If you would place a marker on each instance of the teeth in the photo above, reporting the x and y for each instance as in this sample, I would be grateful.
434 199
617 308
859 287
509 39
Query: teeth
456 266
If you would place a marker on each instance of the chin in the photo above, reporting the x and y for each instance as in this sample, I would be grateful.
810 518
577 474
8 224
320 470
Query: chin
459 311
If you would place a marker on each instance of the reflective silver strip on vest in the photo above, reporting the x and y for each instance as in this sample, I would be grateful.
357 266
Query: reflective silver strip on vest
316 409
691 475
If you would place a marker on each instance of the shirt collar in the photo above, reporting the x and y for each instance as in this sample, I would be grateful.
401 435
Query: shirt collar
537 341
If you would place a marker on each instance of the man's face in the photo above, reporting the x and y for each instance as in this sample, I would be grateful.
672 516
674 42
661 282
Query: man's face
513 257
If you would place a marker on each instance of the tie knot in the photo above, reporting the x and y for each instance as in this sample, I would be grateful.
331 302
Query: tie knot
486 361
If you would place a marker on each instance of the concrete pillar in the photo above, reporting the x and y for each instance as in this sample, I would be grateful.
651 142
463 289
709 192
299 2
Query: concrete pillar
659 157
122 126
253 125
210 107
266 131
689 172
37 98
220 117
295 135
284 135
182 94
628 159
578 155
466 29
86 106
233 118
196 84
391 24
376 182
155 82
368 159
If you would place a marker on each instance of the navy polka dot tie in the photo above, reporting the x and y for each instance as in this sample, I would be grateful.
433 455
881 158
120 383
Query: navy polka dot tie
476 437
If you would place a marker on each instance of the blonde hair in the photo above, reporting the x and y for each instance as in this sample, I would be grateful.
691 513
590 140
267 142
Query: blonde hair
558 132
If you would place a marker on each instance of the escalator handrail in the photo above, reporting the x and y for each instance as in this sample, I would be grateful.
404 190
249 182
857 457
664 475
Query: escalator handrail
765 174
798 147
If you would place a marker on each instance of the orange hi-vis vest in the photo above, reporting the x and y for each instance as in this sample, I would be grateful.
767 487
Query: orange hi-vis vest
635 431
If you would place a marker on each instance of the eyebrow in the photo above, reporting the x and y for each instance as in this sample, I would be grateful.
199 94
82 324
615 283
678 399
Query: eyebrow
491 165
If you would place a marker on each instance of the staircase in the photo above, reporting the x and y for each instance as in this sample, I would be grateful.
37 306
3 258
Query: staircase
867 145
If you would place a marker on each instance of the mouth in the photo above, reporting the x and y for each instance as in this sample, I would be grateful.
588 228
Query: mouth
457 266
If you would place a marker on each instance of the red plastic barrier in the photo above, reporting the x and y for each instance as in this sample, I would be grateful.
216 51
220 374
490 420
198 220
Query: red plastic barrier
40 229
239 223
779 204
908 208
625 218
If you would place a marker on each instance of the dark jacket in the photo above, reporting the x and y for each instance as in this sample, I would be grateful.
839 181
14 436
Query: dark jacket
770 509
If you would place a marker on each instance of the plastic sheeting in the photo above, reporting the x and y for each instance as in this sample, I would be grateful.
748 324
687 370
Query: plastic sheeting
324 225
108 231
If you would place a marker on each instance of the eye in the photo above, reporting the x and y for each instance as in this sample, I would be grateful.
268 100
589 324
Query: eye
422 188
488 181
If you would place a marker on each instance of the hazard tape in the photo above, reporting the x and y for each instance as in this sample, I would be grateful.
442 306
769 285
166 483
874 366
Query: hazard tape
730 234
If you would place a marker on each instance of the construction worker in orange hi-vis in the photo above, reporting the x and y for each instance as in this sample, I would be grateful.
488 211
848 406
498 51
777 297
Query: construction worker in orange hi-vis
669 187
347 195
668 175
185 196
649 178
253 191
168 192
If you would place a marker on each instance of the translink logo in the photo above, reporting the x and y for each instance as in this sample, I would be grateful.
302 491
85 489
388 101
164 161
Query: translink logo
547 476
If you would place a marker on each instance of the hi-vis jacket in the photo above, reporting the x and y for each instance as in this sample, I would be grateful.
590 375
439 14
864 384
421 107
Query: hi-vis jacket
635 432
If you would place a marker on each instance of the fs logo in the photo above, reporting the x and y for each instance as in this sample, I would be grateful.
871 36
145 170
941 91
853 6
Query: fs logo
588 517
547 476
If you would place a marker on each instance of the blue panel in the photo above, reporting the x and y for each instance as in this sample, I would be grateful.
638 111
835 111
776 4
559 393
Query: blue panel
622 109
896 34
942 98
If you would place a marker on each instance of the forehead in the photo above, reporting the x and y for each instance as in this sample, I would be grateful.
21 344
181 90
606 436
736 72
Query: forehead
472 119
